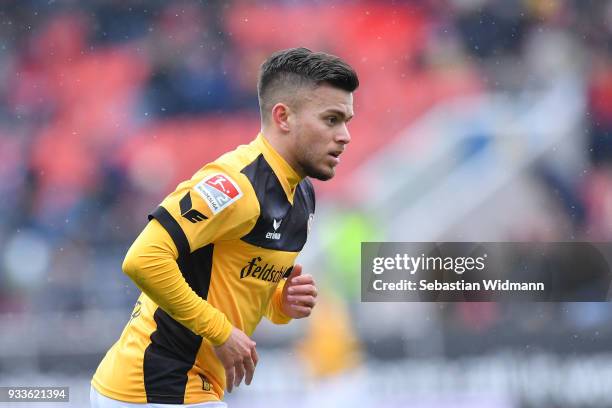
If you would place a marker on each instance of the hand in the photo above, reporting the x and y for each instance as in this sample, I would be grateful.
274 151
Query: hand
239 357
299 294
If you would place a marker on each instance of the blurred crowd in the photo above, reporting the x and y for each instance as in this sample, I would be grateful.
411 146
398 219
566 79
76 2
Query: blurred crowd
106 105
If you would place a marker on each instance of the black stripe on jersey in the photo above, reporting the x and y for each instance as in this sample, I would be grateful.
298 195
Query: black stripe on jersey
174 229
196 267
173 348
167 360
277 215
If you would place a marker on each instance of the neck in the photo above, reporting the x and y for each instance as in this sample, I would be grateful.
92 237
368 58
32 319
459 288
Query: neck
282 144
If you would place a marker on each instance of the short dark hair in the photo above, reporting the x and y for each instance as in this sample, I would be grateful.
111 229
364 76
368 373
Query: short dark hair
299 67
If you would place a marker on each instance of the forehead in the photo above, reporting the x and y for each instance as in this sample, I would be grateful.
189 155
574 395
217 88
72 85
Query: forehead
326 97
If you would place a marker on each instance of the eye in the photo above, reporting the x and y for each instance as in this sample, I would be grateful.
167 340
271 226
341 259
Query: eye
331 120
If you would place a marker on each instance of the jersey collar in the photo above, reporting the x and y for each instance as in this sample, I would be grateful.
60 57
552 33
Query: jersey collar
288 177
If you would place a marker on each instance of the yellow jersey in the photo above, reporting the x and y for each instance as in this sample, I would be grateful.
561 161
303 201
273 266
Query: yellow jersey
215 254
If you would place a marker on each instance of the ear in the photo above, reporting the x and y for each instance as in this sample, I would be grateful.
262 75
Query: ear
280 116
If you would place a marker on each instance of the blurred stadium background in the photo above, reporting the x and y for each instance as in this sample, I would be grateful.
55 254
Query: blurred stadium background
476 120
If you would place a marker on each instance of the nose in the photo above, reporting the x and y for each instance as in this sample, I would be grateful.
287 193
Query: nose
343 137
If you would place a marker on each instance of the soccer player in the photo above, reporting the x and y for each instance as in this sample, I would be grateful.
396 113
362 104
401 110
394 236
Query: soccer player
218 253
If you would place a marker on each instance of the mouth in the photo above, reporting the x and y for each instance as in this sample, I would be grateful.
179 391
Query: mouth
335 155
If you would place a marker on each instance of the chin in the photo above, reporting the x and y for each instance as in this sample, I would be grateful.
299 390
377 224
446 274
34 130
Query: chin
322 173
323 176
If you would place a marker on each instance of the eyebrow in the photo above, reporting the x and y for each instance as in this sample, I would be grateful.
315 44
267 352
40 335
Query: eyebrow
339 113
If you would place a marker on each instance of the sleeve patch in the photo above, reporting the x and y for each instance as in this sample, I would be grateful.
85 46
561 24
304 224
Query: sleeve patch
219 191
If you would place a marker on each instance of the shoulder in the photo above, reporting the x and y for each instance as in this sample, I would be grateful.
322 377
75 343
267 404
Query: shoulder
217 203
221 187
217 190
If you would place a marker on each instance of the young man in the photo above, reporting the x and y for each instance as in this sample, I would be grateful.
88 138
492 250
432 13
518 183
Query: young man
218 253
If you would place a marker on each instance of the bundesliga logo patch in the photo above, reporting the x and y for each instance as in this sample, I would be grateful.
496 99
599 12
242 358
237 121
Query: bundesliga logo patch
218 191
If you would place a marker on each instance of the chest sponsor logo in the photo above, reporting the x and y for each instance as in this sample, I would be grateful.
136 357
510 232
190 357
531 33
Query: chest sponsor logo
219 191
264 271
276 225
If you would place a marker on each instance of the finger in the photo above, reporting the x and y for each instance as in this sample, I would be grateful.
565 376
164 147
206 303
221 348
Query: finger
306 300
254 356
295 272
303 311
301 290
239 373
229 379
250 370
303 280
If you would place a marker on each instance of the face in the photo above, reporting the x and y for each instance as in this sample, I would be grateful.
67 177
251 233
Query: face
319 127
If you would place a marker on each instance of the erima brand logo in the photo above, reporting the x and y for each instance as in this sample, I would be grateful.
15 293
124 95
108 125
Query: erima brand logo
255 268
188 212
276 225
219 191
